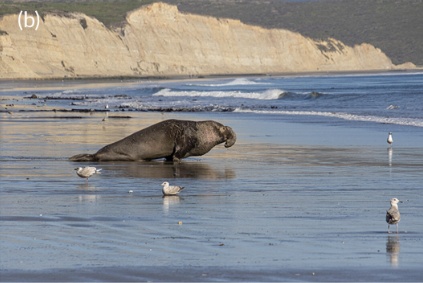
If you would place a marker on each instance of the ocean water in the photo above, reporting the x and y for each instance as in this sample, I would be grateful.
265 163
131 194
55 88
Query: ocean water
301 196
392 98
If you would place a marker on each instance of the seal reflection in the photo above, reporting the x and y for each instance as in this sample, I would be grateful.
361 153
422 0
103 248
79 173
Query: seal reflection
169 170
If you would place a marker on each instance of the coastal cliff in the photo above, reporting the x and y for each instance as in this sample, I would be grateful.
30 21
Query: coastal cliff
158 40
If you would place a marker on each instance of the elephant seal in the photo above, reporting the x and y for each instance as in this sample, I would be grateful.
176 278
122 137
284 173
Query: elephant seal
170 139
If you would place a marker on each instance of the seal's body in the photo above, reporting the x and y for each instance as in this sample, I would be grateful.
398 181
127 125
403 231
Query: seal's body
170 139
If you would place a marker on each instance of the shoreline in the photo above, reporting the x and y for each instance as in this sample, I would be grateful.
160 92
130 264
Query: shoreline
212 76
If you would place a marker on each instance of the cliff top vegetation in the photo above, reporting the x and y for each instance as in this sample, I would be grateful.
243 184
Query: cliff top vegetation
109 12
391 25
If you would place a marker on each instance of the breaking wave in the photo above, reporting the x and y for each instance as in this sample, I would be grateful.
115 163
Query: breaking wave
235 82
264 95
341 115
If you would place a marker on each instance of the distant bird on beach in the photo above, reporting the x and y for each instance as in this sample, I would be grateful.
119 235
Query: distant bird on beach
106 108
87 172
390 139
170 190
393 215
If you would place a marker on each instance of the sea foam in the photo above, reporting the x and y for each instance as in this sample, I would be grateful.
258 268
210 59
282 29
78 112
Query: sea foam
264 95
341 115
235 82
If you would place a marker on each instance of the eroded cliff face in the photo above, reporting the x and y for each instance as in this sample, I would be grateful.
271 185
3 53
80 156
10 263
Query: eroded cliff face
158 40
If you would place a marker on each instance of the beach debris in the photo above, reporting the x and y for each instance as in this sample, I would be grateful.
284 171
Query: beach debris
179 222
130 191
393 215
86 172
170 190
390 140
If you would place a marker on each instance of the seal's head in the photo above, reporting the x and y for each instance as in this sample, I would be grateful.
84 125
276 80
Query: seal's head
229 136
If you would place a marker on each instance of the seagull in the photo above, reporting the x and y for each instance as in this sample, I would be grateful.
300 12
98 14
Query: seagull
87 172
107 112
393 215
170 190
390 140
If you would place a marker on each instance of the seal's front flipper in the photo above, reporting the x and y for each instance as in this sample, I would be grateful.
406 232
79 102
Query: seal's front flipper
183 147
83 157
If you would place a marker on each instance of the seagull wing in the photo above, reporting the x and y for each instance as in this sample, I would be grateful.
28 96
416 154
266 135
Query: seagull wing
393 216
88 171
173 190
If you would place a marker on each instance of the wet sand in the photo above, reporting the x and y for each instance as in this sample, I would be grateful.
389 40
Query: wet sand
288 202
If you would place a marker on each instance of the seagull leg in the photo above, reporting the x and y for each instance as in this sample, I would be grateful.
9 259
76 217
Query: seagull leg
388 230
397 228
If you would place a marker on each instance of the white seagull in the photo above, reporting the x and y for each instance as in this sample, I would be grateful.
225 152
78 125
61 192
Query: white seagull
170 190
87 172
390 140
393 215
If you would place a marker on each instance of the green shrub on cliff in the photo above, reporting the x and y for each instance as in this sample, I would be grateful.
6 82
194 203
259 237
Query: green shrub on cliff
391 25
109 12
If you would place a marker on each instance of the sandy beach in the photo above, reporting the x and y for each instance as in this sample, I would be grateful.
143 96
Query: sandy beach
289 201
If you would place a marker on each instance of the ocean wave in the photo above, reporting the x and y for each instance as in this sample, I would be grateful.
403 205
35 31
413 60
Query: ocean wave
238 81
341 115
71 91
264 95
140 106
392 107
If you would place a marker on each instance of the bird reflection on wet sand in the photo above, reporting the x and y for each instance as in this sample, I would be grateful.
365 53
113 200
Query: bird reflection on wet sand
393 249
169 201
390 151
87 187
88 198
